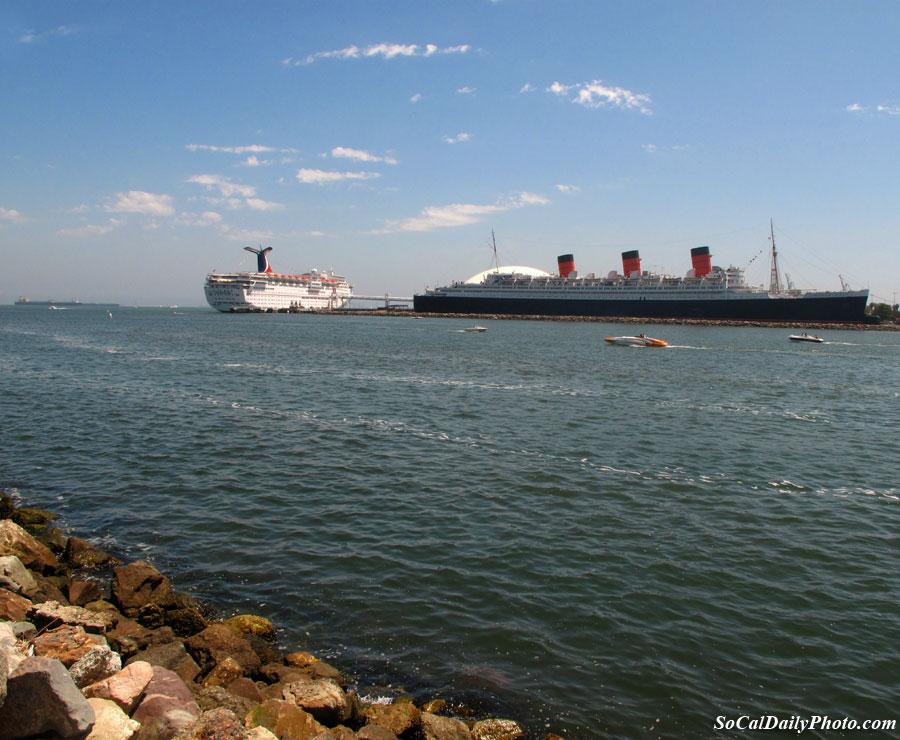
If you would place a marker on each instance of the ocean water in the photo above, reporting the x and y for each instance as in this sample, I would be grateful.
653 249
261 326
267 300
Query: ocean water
598 541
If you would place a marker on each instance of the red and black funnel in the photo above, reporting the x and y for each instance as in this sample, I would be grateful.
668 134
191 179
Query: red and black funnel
631 262
701 261
262 262
566 264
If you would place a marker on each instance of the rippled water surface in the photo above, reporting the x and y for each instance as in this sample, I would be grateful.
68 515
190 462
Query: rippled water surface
600 541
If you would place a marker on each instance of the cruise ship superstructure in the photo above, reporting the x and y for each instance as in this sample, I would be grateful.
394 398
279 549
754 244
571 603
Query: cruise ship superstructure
265 290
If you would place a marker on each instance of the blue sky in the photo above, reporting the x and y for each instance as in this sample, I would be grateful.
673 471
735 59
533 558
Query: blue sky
144 144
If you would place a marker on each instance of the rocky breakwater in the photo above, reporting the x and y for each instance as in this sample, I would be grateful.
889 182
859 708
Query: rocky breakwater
92 648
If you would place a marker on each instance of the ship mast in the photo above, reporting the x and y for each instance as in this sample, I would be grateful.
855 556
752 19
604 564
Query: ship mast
775 279
496 259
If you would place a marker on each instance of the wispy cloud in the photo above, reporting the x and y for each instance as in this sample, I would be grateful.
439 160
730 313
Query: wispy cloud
384 51
322 177
527 87
139 201
460 214
257 204
360 155
568 188
887 110
13 216
595 95
207 218
31 37
92 229
460 137
415 98
224 185
466 90
250 149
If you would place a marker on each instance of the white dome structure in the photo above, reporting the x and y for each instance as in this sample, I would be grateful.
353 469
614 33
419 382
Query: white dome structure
507 270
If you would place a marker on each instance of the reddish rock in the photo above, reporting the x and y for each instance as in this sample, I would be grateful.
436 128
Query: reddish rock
496 729
136 585
246 689
16 541
51 613
82 554
324 700
375 732
216 724
226 671
67 644
172 656
398 718
13 608
435 727
83 592
167 707
125 688
217 642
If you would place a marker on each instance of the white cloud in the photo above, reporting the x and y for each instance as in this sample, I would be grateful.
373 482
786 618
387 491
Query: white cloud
263 205
460 214
527 87
891 110
595 95
92 229
320 177
415 98
30 37
462 136
466 90
8 214
251 149
857 108
207 218
138 201
385 51
568 188
224 185
360 155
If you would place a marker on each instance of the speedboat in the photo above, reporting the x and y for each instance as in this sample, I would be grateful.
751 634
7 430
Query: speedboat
806 338
475 328
641 340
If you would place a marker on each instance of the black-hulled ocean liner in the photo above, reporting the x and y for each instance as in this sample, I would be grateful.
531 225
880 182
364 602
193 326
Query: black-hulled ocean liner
706 292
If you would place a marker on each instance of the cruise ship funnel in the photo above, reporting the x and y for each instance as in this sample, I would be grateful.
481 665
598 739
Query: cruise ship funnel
631 262
566 264
701 261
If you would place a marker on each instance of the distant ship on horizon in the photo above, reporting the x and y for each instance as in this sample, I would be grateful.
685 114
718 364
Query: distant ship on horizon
25 301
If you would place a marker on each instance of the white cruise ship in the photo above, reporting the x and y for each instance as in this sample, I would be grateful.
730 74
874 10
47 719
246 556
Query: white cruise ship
265 290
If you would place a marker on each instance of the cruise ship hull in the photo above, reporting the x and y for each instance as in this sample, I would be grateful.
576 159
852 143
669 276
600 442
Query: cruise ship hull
838 307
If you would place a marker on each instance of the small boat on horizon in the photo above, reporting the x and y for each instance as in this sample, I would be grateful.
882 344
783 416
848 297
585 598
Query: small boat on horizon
804 337
640 340
475 328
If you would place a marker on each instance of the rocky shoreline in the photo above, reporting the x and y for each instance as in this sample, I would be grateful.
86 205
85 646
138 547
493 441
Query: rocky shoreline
92 648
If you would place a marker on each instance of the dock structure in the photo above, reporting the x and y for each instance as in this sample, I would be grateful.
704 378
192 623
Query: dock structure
387 299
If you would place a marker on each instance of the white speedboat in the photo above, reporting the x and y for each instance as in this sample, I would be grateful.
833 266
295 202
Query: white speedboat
640 340
475 328
806 338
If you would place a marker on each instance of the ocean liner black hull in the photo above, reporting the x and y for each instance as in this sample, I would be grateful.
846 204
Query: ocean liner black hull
830 308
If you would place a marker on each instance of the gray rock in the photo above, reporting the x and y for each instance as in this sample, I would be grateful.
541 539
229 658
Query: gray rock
100 663
42 699
11 567
324 700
